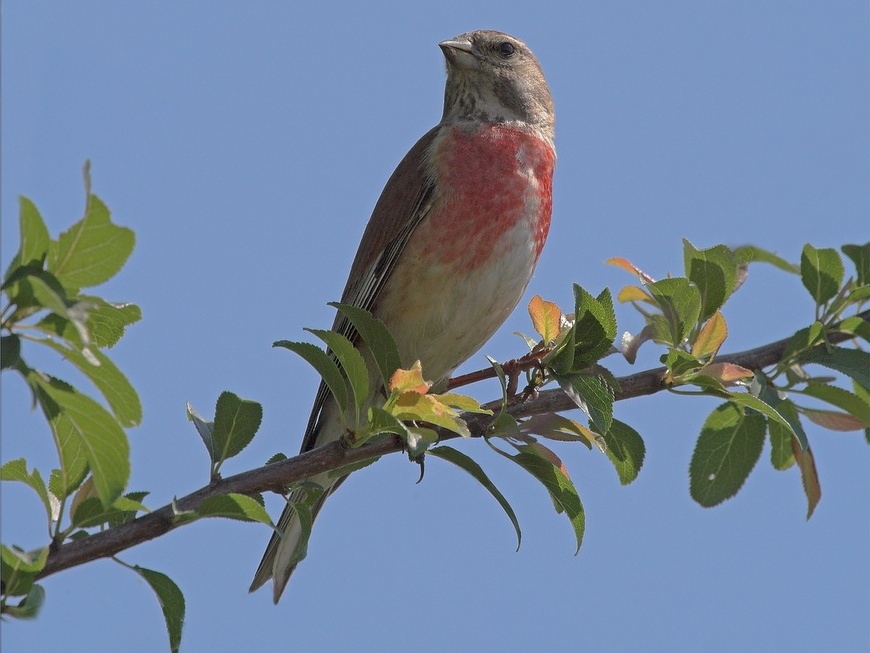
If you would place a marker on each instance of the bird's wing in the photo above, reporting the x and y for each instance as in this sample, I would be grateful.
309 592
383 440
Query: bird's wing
404 202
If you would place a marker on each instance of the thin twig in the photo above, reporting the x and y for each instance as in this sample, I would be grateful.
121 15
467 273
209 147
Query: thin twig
279 475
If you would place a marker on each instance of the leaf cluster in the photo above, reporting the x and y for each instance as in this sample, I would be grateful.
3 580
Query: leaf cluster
44 305
684 315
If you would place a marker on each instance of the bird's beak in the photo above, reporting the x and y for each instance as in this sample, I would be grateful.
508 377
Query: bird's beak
459 52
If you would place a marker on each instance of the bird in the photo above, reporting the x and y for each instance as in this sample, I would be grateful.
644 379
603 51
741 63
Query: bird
452 242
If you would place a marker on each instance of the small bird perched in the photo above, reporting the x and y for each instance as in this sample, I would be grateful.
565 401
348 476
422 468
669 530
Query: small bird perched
454 238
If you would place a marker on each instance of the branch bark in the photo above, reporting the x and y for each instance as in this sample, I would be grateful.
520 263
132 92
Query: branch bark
278 475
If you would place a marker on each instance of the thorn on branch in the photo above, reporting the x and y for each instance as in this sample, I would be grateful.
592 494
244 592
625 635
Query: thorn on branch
420 460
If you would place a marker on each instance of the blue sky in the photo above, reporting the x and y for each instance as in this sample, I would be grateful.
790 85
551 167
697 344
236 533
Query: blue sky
246 143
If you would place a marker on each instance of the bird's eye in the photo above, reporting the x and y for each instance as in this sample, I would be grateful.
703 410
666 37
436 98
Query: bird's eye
506 49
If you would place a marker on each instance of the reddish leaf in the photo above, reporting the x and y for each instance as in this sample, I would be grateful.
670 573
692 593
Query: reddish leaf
549 455
410 380
726 373
809 476
833 419
546 318
711 337
629 267
557 427
633 294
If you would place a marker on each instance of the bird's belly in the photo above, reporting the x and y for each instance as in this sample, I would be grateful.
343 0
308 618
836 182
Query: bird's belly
457 317
470 259
444 310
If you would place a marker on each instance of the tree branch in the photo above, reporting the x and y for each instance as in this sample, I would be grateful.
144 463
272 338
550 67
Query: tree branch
277 476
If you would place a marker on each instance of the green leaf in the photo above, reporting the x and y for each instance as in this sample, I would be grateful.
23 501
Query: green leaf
781 454
714 273
761 406
853 363
19 568
858 295
461 460
555 479
71 453
84 431
110 381
821 272
128 506
325 366
594 327
205 428
50 294
39 289
860 255
727 449
93 250
16 470
589 338
804 339
27 561
504 425
34 234
171 603
753 254
840 398
680 303
593 395
62 485
554 426
10 351
29 606
90 512
787 409
380 421
855 326
626 450
234 506
86 510
679 362
864 395
862 392
105 322
351 361
375 334
236 422
418 441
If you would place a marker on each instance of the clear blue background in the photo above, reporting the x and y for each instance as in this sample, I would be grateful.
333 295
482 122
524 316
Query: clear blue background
246 144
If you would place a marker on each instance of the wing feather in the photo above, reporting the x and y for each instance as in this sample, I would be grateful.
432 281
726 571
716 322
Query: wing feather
403 204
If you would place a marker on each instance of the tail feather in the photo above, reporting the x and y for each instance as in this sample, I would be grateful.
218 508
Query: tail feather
288 545
289 542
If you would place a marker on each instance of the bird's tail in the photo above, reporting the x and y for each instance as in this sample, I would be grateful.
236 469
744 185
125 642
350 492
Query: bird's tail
289 543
